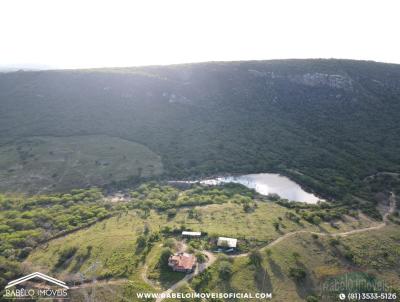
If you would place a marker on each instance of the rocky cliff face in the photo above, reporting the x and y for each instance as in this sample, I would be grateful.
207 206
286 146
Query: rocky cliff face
323 79
315 79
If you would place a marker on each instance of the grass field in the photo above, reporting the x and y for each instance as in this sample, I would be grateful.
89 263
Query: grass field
321 261
109 248
41 164
232 221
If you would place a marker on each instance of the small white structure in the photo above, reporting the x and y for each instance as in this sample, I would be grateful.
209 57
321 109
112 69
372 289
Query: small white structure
227 242
191 234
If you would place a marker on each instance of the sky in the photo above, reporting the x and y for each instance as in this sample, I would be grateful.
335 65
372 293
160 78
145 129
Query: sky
86 33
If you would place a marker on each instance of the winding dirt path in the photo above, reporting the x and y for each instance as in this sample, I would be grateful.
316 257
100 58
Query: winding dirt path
102 283
143 274
392 207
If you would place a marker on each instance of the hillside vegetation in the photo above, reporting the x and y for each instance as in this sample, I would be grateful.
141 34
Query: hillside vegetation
306 267
123 252
326 123
48 164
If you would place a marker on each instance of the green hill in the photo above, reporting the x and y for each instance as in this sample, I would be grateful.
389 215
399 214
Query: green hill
326 123
331 125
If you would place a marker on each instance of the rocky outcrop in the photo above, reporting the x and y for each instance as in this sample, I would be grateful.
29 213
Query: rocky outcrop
315 79
323 79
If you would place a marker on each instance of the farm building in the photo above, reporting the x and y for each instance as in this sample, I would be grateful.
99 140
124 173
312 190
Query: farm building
182 262
191 234
227 242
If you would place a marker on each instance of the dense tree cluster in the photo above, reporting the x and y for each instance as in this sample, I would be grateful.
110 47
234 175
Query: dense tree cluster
164 197
27 221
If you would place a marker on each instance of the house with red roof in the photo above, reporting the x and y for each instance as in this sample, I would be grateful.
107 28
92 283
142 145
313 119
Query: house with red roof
182 262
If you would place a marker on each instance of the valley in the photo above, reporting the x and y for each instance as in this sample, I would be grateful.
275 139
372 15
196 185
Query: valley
101 170
110 249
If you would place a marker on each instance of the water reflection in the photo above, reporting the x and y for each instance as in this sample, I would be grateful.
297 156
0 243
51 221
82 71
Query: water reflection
268 183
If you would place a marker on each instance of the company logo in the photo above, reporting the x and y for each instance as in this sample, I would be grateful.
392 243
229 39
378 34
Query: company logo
49 288
353 281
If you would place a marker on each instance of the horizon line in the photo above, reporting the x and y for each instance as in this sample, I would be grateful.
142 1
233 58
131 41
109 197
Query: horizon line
45 67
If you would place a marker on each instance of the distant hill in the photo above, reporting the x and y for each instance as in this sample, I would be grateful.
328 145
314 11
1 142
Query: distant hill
26 67
326 123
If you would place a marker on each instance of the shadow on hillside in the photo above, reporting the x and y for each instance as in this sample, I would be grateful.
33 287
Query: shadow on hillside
262 280
80 260
321 229
165 276
304 287
65 257
276 269
319 244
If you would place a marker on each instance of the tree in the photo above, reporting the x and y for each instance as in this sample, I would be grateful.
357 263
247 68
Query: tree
273 197
255 257
334 241
165 254
170 243
276 225
141 242
154 237
316 220
201 258
146 229
297 273
225 270
246 207
295 256
200 283
171 213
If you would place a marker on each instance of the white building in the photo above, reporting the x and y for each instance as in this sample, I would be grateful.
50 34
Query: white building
227 242
191 234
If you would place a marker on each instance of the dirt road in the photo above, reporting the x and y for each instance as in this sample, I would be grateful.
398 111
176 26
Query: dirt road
391 209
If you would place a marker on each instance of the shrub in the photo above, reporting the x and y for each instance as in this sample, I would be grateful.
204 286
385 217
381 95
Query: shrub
225 270
297 273
201 258
349 256
293 217
24 252
171 213
312 299
295 256
255 257
65 255
170 243
316 220
334 241
141 242
223 257
165 254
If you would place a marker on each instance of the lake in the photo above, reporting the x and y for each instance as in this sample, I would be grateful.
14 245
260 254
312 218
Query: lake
268 183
